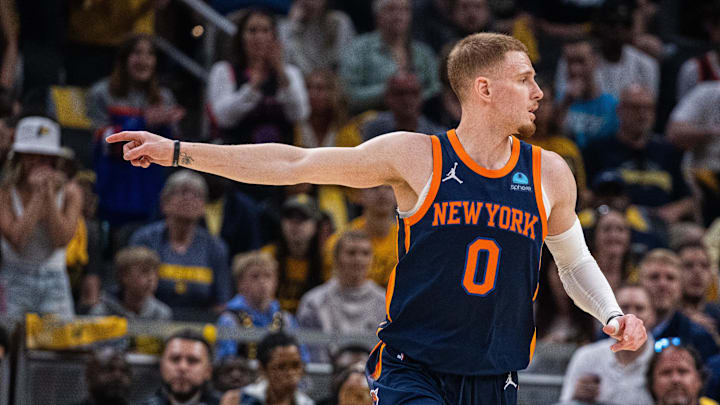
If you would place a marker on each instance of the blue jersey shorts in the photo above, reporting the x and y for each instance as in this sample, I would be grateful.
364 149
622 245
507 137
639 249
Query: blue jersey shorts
395 379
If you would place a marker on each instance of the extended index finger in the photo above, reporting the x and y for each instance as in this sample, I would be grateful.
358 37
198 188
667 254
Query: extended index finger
123 136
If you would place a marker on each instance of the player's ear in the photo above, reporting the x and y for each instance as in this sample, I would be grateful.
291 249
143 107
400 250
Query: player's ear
481 88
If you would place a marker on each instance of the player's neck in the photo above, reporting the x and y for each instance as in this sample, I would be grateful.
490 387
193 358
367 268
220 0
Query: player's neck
487 143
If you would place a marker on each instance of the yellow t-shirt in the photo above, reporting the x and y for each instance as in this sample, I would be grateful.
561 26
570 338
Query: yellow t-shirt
569 151
89 20
292 288
385 255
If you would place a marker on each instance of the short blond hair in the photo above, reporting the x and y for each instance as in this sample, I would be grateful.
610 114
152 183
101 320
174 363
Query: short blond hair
664 256
475 54
134 256
244 261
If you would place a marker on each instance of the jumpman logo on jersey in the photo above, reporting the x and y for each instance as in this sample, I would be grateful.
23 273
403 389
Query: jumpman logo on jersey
451 175
509 382
374 396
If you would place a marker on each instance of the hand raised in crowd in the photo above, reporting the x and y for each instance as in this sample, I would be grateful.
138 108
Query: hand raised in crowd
40 178
274 56
587 388
274 59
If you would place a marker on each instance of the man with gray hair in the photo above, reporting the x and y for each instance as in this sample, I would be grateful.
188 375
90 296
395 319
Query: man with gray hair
194 278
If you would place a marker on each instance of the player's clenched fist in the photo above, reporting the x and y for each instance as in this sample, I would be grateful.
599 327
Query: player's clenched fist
143 148
629 332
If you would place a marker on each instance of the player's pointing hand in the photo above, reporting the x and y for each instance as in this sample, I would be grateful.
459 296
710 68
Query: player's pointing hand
629 332
143 148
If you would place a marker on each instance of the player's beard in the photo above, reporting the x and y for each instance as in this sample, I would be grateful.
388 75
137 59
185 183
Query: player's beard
526 131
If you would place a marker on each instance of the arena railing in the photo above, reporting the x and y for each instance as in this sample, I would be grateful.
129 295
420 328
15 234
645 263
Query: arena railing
57 377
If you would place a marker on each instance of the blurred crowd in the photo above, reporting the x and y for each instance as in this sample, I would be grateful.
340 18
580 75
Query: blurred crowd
632 102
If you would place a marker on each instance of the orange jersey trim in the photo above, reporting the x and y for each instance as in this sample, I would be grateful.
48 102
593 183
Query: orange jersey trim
434 186
407 235
378 366
532 345
389 293
469 162
537 182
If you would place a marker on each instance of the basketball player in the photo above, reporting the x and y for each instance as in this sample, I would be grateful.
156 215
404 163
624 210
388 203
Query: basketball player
475 206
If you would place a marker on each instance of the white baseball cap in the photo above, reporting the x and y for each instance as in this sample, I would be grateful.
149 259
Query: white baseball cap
38 135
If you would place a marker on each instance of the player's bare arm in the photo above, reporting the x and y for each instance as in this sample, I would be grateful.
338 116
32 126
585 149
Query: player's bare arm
402 160
578 270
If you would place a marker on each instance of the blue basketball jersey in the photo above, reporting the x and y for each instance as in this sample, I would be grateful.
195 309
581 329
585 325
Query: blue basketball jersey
460 299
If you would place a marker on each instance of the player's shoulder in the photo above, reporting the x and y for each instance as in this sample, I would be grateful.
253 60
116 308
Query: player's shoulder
553 165
403 142
557 178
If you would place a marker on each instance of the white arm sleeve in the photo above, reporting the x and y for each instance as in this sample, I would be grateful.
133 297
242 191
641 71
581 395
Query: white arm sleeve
580 274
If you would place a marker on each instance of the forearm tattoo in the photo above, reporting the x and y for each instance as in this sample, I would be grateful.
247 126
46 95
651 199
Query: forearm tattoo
186 159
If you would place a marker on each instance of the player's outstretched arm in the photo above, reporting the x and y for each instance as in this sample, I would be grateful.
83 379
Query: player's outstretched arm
381 160
578 270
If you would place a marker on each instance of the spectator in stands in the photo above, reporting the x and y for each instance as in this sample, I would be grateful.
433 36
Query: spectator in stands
93 40
231 215
314 35
185 371
596 375
558 320
9 32
660 272
130 99
326 127
694 126
229 6
298 251
342 359
232 372
697 277
548 136
350 387
194 273
585 112
281 368
348 303
609 241
255 97
85 251
437 25
618 63
459 18
647 231
372 58
404 99
108 377
8 120
136 268
676 374
39 210
444 108
649 165
328 113
254 306
705 67
379 222
5 343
